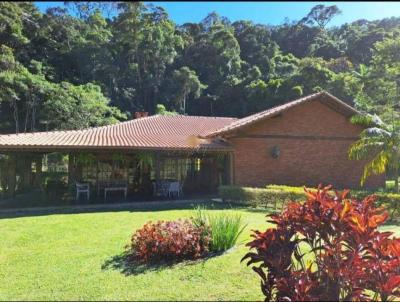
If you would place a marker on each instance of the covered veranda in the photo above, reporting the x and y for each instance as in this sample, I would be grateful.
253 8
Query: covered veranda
134 175
146 158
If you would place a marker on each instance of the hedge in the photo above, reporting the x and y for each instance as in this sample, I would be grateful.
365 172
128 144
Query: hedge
264 197
274 195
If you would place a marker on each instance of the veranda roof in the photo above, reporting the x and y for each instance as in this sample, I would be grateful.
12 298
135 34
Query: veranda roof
177 132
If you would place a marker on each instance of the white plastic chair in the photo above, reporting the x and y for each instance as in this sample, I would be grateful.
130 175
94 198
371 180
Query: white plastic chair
174 188
82 188
164 188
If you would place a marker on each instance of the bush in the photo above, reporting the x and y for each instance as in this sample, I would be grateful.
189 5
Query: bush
280 194
168 241
387 198
327 248
271 195
224 229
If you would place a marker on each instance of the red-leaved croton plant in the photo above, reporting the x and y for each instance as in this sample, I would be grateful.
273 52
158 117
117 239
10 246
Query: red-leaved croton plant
327 248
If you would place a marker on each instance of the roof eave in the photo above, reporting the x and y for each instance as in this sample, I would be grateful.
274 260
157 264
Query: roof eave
39 148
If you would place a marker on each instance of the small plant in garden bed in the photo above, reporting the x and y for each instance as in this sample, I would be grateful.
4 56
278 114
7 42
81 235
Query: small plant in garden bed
224 229
171 241
327 248
167 241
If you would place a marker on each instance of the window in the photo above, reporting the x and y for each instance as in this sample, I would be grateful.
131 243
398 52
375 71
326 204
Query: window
175 168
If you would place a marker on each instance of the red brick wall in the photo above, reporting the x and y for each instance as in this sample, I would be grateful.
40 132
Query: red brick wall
302 161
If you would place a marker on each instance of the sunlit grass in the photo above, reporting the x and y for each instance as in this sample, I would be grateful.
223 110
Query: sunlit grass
62 257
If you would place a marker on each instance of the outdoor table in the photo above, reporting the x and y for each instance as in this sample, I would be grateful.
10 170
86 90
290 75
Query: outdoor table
112 187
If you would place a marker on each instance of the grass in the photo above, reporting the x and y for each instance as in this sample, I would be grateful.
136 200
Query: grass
77 256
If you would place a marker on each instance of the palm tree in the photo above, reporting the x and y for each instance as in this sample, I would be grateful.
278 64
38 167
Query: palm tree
379 141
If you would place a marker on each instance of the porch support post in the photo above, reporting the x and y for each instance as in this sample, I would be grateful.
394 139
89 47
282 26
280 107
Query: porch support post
71 169
157 166
3 174
12 175
229 166
39 172
25 161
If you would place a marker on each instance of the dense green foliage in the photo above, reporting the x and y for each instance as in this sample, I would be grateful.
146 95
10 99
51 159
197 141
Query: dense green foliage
223 229
60 70
380 139
265 197
274 195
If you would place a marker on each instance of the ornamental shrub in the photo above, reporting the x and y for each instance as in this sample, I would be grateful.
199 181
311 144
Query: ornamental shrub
225 231
166 241
327 248
274 195
264 197
223 228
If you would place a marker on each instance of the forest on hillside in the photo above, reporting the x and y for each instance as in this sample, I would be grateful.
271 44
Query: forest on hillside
63 70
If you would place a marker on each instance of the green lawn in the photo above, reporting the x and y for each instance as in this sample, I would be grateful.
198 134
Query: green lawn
70 257
60 257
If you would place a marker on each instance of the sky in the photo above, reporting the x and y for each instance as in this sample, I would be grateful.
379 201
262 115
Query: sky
272 13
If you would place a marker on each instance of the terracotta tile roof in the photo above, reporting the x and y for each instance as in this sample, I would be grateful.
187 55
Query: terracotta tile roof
323 96
177 132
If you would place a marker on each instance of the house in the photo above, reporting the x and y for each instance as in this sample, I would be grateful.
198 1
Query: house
303 142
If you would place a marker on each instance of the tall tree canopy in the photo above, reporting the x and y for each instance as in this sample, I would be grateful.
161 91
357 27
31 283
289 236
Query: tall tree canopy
93 63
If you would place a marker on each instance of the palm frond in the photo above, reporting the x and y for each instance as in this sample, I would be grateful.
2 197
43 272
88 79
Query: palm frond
375 131
376 166
367 120
365 148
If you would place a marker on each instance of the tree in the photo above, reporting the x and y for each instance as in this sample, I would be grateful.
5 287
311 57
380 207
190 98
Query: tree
133 55
312 75
58 40
78 107
21 95
84 9
359 39
94 53
15 19
295 38
187 83
379 94
28 100
379 141
145 43
381 80
161 110
257 47
321 15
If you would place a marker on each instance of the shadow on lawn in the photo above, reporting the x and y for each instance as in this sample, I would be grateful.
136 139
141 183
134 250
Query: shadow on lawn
149 206
126 266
